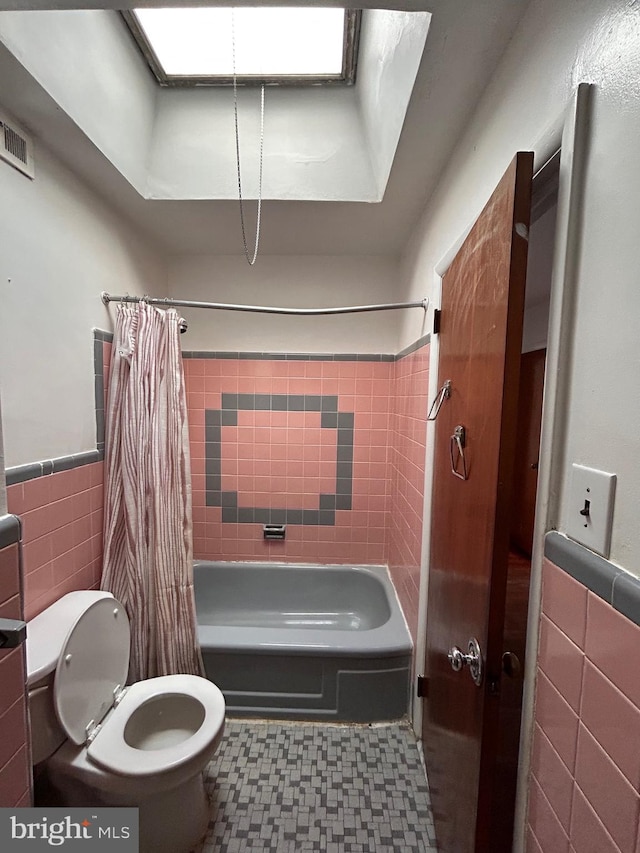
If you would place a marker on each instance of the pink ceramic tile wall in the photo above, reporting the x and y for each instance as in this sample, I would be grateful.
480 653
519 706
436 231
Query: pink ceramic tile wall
15 767
407 442
585 784
61 518
285 459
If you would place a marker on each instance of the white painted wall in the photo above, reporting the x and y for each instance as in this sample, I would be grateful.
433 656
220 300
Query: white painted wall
557 45
61 246
321 143
314 145
295 282
391 47
89 65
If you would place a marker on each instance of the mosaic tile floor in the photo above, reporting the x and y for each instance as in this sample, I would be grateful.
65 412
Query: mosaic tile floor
309 788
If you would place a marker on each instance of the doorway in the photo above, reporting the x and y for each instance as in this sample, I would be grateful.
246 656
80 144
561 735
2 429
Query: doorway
482 528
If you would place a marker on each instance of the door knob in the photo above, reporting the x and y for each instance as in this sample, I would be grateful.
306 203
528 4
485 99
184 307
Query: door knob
473 659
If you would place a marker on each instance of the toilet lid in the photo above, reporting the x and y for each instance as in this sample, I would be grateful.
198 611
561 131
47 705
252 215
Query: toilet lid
94 661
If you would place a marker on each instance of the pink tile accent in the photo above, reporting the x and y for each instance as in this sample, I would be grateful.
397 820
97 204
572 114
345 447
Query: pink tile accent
613 799
37 583
35 493
553 777
25 801
588 834
9 572
62 485
13 725
292 443
557 720
605 733
561 661
11 678
532 842
11 608
61 537
612 641
545 825
564 601
614 721
15 778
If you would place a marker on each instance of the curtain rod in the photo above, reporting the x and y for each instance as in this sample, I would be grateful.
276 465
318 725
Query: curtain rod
261 309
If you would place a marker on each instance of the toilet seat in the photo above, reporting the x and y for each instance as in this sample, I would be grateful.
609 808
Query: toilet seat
110 749
92 668
95 710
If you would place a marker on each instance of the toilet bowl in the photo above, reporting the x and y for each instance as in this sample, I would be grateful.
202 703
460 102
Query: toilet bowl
103 744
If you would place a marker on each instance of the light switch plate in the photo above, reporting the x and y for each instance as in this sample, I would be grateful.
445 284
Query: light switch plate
590 510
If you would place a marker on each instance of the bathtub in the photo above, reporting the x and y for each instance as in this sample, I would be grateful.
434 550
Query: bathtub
304 642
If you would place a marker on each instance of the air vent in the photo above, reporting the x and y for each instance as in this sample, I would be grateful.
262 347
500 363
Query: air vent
16 147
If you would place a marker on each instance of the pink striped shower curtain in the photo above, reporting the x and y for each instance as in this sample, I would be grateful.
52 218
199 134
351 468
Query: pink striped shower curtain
148 550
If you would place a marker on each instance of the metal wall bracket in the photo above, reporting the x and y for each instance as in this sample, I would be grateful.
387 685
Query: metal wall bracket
422 686
443 394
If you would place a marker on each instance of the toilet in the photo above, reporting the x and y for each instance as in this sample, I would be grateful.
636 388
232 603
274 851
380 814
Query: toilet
102 744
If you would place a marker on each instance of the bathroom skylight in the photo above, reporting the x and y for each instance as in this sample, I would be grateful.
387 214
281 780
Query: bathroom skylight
191 46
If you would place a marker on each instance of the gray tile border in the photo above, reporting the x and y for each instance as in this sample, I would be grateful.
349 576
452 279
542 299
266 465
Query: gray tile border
330 418
592 571
288 356
610 582
100 338
416 345
626 596
310 356
10 530
278 402
102 335
22 473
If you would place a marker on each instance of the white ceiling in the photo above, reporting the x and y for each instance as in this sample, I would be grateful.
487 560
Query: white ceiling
466 39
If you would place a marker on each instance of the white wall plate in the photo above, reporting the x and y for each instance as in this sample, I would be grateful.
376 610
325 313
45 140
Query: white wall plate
590 510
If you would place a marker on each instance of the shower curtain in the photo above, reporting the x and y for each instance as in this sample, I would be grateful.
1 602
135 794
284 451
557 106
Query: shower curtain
148 550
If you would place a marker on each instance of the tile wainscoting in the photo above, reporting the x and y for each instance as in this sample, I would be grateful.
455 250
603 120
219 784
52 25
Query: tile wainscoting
15 757
585 772
331 445
60 502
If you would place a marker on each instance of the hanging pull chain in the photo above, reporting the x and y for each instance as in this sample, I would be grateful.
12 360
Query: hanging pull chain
250 259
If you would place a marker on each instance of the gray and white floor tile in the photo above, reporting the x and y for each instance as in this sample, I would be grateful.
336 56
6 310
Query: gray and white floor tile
309 788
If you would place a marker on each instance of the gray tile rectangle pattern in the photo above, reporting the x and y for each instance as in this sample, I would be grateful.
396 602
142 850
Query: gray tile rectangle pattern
309 788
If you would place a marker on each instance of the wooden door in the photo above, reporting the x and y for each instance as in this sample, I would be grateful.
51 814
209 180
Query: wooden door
480 343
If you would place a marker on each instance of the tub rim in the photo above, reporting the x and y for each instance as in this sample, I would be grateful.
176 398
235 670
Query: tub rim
391 639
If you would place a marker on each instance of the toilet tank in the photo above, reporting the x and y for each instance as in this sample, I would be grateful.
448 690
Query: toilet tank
46 634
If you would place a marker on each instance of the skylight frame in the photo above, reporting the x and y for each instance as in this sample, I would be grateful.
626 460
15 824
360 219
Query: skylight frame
347 76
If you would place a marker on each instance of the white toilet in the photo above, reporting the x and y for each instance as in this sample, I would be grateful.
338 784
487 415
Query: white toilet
104 745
